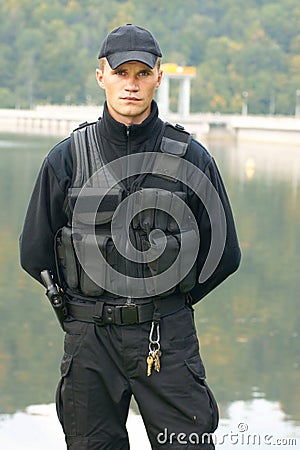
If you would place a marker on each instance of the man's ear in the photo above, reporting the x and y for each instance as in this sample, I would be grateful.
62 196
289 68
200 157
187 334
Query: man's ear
99 78
160 75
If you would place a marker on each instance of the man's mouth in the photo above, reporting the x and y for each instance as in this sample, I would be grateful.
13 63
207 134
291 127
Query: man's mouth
131 99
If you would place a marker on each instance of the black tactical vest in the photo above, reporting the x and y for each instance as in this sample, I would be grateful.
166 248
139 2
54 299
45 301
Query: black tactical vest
148 187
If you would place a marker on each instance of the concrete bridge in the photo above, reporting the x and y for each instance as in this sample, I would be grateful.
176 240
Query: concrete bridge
61 120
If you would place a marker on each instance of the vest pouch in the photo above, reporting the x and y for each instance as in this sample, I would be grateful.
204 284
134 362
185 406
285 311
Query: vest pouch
163 262
67 259
117 262
134 208
125 266
147 204
190 242
90 262
94 205
189 281
163 205
178 209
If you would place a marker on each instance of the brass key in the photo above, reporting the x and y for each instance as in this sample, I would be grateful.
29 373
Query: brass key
157 355
150 362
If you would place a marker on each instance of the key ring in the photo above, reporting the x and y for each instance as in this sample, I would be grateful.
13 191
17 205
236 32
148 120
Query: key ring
152 341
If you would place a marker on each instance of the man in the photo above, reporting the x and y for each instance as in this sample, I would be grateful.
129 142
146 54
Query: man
128 317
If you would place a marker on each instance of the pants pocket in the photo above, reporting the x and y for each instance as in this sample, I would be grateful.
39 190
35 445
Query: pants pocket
214 407
196 368
64 398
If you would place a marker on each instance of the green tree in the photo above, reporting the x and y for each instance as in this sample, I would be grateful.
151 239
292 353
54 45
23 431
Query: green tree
281 22
48 49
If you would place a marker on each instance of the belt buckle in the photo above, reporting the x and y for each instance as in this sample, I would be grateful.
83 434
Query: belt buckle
129 313
98 321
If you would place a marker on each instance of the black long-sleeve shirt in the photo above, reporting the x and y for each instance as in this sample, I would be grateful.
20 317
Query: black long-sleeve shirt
46 210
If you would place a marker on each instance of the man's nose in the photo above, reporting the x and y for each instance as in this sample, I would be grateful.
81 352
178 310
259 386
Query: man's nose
131 84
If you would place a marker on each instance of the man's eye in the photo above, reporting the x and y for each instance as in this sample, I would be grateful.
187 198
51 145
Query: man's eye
144 73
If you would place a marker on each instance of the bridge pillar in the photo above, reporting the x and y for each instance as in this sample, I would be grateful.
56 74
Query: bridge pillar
163 95
184 76
184 97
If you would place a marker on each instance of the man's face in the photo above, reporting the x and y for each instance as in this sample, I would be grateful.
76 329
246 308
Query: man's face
129 90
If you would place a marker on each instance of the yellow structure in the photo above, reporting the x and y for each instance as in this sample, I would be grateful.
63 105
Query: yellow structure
178 71
184 74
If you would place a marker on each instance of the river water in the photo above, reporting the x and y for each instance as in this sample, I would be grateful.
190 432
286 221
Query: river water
248 327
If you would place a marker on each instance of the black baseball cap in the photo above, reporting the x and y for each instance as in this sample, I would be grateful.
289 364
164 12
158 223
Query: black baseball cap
130 43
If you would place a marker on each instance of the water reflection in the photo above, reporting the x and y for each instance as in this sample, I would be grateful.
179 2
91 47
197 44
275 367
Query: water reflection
248 327
38 428
251 325
30 342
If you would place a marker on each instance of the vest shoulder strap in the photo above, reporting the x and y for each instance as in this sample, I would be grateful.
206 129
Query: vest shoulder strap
85 152
83 125
175 140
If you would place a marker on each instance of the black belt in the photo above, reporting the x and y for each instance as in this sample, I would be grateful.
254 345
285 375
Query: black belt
102 313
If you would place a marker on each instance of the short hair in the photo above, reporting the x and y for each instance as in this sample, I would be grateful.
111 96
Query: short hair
102 62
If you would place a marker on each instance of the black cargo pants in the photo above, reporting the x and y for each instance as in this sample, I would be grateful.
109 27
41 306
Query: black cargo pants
103 366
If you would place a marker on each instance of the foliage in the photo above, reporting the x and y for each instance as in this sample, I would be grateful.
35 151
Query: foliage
48 49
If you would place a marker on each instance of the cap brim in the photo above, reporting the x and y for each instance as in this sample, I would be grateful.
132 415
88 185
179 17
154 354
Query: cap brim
116 59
